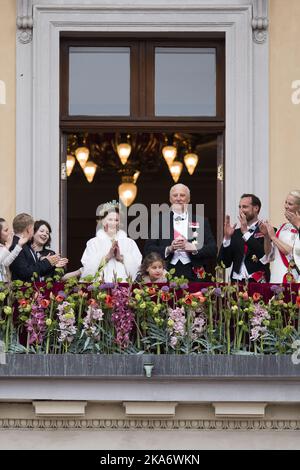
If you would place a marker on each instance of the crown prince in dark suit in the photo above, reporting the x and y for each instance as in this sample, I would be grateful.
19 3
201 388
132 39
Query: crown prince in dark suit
180 245
243 248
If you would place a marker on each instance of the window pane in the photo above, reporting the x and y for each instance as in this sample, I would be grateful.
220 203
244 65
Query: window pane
99 81
185 81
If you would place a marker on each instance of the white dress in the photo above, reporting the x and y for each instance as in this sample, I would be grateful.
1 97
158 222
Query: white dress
97 248
288 235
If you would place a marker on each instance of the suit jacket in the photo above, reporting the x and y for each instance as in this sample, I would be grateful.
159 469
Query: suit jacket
234 253
27 263
200 256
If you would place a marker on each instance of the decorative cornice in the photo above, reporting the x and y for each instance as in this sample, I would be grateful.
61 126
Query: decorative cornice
260 21
153 424
24 21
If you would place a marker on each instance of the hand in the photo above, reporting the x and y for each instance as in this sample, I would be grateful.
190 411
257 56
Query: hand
190 247
178 243
24 239
243 222
293 218
118 255
62 263
228 229
263 228
53 259
271 231
112 252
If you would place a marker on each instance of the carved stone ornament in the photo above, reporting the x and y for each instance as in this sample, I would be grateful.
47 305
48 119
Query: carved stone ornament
153 424
24 21
260 21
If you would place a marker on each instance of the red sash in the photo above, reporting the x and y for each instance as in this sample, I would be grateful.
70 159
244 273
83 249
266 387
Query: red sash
288 277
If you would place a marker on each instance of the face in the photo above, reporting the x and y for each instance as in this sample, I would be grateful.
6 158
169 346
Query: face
5 232
155 270
179 196
41 236
291 204
111 222
248 209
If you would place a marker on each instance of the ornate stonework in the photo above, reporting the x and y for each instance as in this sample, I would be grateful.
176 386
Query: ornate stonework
24 21
153 424
260 21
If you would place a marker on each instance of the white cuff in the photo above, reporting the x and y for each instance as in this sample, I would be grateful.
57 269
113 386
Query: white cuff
226 243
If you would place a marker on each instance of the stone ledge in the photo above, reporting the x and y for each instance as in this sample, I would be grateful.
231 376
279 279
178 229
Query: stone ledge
164 366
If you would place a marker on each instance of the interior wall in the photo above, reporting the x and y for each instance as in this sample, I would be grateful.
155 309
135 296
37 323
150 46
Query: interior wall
7 110
284 115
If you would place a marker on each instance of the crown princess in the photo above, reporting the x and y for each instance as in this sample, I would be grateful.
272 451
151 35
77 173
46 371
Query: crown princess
107 207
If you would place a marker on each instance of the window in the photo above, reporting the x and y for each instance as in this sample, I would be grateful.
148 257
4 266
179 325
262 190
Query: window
142 79
99 81
185 81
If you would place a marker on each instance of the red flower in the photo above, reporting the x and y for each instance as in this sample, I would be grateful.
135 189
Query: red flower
256 296
188 299
44 303
59 298
151 291
22 302
108 301
93 302
165 296
199 296
200 272
298 301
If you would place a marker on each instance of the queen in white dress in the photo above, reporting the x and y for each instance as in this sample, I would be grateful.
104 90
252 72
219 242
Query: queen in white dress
111 255
279 246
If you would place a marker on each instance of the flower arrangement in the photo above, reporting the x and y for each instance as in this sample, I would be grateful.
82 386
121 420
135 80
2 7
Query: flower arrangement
111 318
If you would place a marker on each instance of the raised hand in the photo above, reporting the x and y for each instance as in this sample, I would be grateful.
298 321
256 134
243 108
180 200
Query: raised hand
263 228
243 222
271 231
24 239
228 228
293 218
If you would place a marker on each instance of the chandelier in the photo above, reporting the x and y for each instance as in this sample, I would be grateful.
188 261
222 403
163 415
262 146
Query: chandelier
130 155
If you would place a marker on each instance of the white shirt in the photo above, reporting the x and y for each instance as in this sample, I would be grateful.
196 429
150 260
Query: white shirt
243 274
181 226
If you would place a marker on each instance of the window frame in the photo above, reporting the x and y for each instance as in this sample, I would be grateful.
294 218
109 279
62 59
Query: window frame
142 76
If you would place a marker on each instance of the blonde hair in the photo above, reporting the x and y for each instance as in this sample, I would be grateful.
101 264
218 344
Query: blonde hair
21 222
296 195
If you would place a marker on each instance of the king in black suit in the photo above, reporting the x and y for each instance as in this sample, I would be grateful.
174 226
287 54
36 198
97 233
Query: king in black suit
179 251
243 248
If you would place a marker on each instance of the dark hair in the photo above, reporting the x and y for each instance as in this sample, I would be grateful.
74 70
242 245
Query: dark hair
148 260
38 224
255 201
1 226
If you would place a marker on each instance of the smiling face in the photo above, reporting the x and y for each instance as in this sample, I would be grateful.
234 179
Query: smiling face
111 222
155 270
291 204
248 209
42 235
179 197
